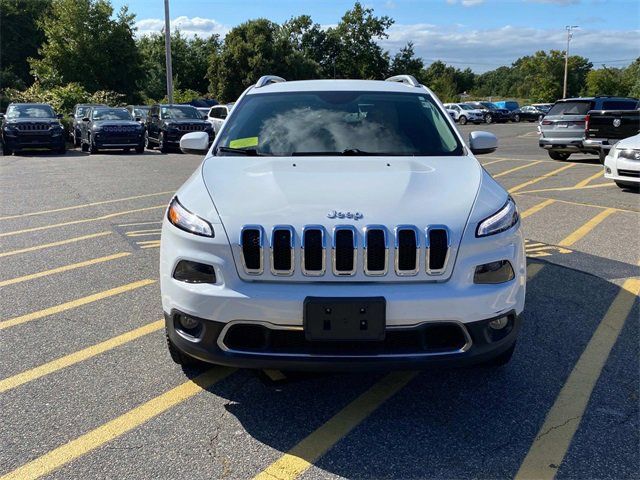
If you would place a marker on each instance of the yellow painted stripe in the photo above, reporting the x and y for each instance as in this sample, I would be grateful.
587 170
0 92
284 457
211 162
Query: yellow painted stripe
297 460
93 204
536 208
586 181
515 169
64 268
54 244
533 269
566 189
113 429
582 204
142 233
73 304
495 161
77 357
83 220
542 177
137 224
552 442
586 228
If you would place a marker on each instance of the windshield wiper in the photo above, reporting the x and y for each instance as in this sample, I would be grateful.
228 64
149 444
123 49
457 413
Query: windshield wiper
346 152
249 152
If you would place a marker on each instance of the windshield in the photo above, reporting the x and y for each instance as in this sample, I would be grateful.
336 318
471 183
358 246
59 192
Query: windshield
141 112
30 111
466 107
488 105
571 108
619 105
111 114
80 111
334 123
180 112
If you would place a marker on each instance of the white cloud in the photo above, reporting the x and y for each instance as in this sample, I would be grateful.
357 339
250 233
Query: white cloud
466 3
483 50
202 27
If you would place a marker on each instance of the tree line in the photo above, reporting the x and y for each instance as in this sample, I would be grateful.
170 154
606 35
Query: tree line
69 51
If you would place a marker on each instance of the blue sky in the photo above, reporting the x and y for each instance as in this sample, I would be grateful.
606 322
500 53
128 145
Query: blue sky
480 34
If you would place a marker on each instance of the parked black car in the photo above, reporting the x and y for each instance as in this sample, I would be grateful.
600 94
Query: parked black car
32 125
528 113
111 128
166 124
78 114
492 113
139 112
604 128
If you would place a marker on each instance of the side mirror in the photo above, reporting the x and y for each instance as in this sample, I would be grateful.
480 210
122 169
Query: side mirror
85 119
195 142
138 119
482 142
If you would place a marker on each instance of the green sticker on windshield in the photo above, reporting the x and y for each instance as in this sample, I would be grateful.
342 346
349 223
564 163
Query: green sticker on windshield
244 142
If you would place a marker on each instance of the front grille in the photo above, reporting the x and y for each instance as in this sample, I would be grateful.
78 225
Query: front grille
344 251
191 127
415 250
32 127
629 173
120 129
251 240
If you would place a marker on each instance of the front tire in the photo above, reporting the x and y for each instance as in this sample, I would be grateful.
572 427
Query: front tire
462 120
628 185
76 140
601 156
140 149
6 151
147 141
61 150
559 155
92 146
179 357
162 146
488 118
516 118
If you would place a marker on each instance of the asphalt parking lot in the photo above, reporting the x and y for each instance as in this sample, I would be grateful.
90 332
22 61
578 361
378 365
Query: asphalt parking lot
88 389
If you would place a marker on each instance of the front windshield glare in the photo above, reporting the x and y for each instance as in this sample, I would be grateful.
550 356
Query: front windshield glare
112 114
335 123
180 112
30 111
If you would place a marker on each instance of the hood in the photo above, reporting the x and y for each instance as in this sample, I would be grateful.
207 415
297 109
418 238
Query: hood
630 142
171 121
115 123
301 191
477 111
48 121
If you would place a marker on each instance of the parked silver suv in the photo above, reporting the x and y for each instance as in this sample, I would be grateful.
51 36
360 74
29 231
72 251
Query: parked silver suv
562 129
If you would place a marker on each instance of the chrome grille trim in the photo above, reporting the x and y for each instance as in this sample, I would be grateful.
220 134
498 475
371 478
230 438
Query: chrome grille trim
323 240
366 231
292 234
253 271
438 271
413 272
344 273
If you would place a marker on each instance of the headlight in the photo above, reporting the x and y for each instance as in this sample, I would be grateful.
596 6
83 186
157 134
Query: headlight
502 220
628 153
187 221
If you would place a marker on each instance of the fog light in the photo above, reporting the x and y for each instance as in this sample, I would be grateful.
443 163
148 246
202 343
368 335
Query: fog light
494 272
499 323
194 272
607 169
187 322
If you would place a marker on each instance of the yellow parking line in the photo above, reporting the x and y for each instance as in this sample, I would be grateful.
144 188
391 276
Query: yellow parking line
73 304
536 208
142 233
138 223
297 460
77 357
117 427
93 204
537 179
84 220
54 244
495 161
581 204
64 268
533 269
565 189
586 228
511 170
586 181
552 442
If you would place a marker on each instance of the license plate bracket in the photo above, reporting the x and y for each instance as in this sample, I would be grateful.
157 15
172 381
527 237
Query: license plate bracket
344 318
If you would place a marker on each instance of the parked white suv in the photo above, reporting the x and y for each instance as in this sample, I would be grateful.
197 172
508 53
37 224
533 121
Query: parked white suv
463 113
217 115
622 165
341 224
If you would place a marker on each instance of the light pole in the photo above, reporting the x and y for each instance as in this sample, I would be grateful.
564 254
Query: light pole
167 48
566 59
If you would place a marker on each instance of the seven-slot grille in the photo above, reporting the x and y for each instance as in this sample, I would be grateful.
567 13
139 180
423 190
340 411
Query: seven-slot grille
191 127
342 256
32 127
121 129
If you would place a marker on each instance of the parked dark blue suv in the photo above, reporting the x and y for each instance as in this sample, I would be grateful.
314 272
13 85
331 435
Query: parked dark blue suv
108 128
32 125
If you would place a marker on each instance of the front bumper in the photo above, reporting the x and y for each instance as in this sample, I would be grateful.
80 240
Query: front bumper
481 343
19 142
622 170
105 141
573 145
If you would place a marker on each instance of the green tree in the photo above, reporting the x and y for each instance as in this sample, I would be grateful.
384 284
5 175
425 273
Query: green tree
20 38
631 77
86 45
606 81
406 62
190 60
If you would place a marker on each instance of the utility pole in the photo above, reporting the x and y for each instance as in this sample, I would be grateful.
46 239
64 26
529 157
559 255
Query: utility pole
167 48
566 59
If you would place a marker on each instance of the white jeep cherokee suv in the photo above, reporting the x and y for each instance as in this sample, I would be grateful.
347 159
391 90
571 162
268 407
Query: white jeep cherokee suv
341 224
463 113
